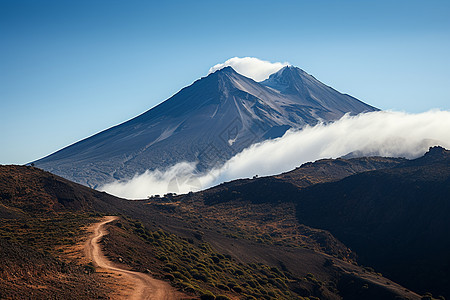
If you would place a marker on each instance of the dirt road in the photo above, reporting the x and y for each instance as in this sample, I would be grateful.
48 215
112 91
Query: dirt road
145 286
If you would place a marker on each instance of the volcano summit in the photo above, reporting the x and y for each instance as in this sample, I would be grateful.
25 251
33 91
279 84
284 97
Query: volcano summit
207 122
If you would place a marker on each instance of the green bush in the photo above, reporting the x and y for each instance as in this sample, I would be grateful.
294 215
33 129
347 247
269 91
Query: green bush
172 266
180 276
207 296
202 277
187 287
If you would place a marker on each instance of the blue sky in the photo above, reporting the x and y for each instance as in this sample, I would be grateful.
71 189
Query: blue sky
69 69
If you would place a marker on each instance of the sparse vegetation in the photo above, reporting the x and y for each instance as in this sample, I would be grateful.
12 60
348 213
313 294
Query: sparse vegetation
200 270
214 249
47 233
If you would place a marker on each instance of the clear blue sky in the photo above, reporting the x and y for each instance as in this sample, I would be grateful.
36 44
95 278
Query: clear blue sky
69 69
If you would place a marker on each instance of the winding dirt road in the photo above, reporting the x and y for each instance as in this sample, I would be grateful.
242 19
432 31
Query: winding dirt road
145 286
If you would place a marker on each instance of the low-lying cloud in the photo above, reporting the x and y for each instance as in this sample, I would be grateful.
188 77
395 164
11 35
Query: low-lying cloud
394 134
251 67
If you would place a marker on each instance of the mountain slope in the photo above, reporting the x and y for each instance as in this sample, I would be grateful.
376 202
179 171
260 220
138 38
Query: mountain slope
207 122
249 244
395 219
392 213
25 190
305 90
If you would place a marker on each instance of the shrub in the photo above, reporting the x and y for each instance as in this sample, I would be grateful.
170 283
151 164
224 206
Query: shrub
207 296
201 277
169 277
222 287
252 283
239 272
180 276
172 267
89 268
187 287
163 258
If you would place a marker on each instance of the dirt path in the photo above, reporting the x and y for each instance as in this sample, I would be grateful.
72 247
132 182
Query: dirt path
144 286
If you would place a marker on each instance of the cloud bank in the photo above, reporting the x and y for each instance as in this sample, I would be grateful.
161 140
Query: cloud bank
251 67
394 134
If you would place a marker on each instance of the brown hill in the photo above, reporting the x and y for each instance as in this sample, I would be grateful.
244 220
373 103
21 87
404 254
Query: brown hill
395 219
241 238
26 273
41 213
25 189
326 170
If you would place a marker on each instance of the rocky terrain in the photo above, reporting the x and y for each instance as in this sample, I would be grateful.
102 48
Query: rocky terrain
324 230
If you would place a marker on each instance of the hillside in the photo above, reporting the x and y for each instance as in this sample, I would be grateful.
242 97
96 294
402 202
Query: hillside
326 170
26 273
302 233
395 219
254 220
41 217
234 248
26 190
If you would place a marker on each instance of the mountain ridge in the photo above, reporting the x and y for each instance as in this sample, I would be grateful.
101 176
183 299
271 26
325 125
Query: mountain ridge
391 211
207 122
314 261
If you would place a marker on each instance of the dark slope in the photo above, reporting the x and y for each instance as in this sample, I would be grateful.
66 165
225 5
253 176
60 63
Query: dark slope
394 216
284 187
395 219
27 190
326 170
262 241
207 122
255 221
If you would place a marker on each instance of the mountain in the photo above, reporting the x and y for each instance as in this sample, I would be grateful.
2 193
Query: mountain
284 187
305 90
207 122
326 230
391 212
238 248
395 219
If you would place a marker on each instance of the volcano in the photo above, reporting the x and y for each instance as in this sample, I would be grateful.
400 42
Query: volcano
207 122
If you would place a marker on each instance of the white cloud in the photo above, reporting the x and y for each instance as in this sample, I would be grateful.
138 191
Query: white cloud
180 177
251 67
385 133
